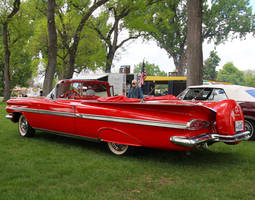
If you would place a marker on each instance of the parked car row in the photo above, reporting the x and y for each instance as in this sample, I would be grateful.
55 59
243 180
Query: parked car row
244 96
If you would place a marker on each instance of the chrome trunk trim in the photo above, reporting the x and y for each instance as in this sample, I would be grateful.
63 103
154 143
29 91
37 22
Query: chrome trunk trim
203 138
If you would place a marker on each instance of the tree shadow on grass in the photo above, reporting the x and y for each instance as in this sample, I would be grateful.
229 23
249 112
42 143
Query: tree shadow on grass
205 157
67 141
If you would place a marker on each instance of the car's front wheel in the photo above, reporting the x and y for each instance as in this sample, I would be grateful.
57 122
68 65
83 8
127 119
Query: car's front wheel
249 126
117 149
25 130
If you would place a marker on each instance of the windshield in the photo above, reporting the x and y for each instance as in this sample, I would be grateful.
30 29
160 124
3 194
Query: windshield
81 90
204 94
197 94
51 95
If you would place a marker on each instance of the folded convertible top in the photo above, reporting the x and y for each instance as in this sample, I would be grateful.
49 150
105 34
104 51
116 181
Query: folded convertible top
123 98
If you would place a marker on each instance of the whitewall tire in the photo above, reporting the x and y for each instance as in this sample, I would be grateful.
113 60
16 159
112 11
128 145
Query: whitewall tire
25 130
249 126
117 149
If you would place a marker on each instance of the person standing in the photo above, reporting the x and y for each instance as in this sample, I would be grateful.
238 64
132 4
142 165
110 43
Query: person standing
135 91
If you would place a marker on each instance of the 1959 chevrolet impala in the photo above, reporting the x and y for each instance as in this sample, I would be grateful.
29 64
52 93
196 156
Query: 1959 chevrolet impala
88 110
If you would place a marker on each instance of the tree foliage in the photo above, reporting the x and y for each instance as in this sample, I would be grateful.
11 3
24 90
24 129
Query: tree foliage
78 48
160 22
210 64
110 24
85 10
151 69
166 22
227 19
90 53
230 73
23 66
20 65
249 77
89 40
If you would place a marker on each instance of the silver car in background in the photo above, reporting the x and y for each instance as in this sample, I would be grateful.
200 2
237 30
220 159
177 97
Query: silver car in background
245 96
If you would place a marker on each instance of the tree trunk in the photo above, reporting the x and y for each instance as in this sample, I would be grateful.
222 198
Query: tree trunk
109 59
52 49
194 43
70 67
180 64
7 54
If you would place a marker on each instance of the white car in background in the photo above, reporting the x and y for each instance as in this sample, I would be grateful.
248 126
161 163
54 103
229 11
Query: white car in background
245 96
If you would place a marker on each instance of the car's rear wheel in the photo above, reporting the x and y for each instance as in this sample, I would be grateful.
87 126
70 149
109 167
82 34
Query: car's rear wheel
249 126
25 130
117 149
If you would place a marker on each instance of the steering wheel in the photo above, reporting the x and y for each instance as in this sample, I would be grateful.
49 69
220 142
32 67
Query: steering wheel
71 93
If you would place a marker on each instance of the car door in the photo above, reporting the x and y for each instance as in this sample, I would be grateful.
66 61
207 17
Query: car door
56 115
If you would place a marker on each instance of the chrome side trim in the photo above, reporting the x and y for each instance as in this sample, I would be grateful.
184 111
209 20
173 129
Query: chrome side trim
107 118
203 138
30 110
70 135
133 121
9 116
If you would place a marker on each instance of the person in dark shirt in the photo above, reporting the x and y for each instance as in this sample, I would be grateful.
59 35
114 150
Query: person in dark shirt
135 91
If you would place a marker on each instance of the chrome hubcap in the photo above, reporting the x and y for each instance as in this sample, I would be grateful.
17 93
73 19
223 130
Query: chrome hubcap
248 127
119 147
23 126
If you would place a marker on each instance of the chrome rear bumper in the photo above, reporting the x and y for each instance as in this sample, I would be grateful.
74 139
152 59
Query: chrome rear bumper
201 139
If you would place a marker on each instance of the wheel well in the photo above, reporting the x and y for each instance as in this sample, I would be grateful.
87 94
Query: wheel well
251 123
249 119
16 116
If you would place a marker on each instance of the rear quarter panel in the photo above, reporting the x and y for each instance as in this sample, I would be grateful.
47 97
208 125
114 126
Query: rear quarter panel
227 112
140 134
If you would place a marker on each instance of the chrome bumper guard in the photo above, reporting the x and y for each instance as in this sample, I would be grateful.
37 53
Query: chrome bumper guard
8 116
204 138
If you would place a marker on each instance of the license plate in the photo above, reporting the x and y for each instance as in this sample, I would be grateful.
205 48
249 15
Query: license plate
239 125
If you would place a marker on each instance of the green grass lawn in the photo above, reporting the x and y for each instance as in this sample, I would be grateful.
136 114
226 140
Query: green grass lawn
53 167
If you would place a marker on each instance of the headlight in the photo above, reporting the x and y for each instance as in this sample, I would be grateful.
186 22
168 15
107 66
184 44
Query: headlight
239 125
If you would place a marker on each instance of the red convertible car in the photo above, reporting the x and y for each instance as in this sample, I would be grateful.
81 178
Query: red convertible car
88 110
